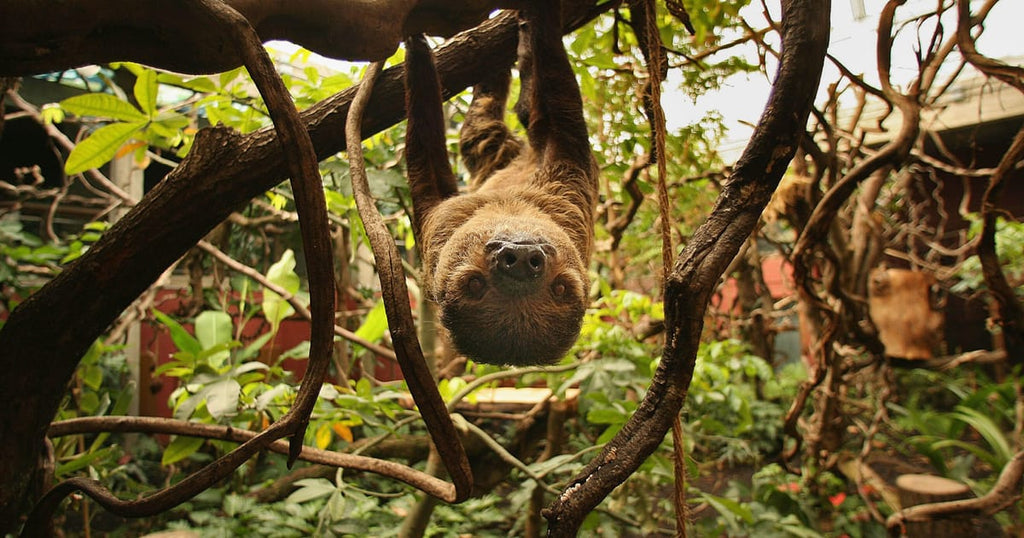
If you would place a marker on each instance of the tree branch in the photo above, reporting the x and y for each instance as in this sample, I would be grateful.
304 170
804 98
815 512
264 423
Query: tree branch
696 272
395 294
1011 313
183 38
155 425
302 164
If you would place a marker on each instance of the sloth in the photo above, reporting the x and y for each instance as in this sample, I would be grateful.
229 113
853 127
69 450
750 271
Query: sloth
507 262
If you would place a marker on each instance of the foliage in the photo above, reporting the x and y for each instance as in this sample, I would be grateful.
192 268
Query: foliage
1010 250
736 404
960 425
782 504
21 250
970 422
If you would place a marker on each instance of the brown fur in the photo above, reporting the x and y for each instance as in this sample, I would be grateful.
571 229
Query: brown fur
506 263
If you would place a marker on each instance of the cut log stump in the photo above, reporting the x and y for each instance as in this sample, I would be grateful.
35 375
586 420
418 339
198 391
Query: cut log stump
915 489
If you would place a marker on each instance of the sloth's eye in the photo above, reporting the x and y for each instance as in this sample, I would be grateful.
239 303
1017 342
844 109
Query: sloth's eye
475 286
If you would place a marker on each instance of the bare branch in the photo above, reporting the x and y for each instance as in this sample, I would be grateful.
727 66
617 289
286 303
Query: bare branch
395 294
689 287
167 426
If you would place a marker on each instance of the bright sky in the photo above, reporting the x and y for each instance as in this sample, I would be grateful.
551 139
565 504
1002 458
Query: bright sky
742 97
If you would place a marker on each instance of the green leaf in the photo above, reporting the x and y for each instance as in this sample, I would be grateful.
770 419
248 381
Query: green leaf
213 327
92 376
145 92
215 357
222 398
606 416
375 324
254 347
82 461
282 273
235 505
120 407
101 146
311 488
732 510
267 398
988 429
103 105
181 338
197 84
300 351
180 448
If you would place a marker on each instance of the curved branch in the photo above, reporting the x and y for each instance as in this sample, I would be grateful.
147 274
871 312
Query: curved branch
892 153
155 425
688 290
1010 74
302 163
395 294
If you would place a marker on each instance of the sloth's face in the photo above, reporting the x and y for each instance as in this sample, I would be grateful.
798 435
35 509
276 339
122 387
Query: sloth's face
512 289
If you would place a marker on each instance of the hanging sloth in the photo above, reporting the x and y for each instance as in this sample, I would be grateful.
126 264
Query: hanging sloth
507 262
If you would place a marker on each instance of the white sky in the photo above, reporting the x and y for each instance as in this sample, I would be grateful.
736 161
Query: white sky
742 97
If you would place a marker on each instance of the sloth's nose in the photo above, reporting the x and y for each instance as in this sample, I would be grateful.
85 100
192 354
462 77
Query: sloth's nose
518 260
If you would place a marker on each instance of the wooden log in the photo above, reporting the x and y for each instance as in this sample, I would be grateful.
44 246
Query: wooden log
915 489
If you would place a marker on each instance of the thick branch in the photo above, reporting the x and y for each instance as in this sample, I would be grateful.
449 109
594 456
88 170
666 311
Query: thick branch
302 164
179 37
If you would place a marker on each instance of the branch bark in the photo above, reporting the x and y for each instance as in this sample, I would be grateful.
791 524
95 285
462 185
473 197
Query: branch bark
155 425
395 294
696 272
183 38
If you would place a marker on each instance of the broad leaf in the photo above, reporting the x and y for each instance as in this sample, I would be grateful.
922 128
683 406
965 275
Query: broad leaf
83 461
103 105
180 448
213 328
222 398
375 324
181 338
101 146
311 488
254 347
145 92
